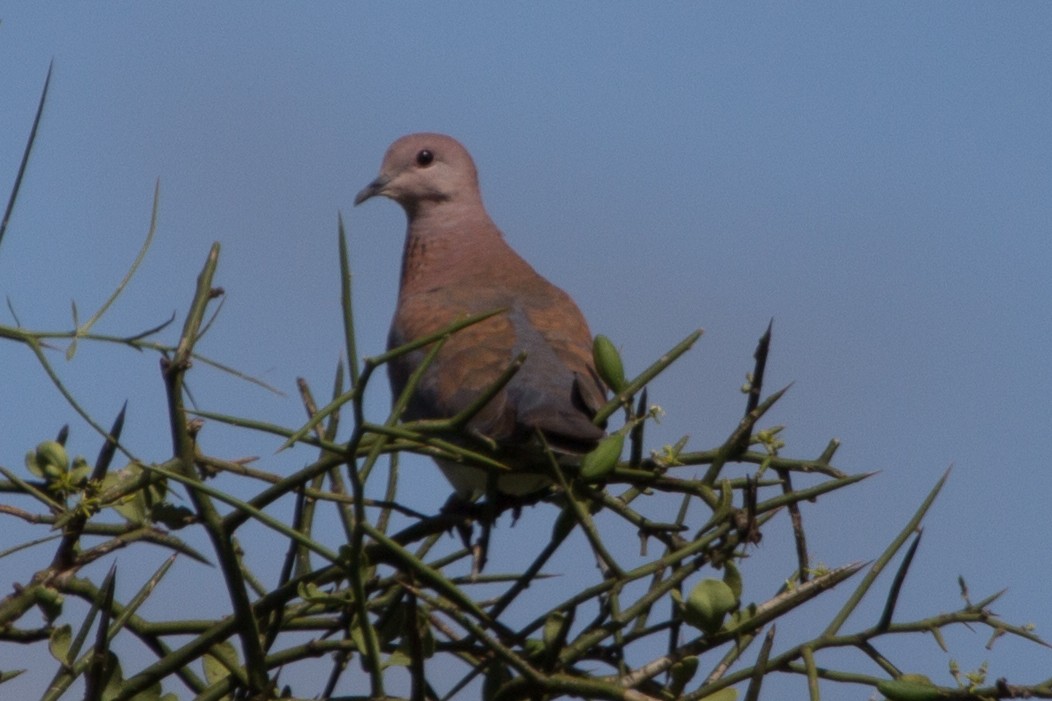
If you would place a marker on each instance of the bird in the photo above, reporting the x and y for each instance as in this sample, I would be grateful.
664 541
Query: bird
456 263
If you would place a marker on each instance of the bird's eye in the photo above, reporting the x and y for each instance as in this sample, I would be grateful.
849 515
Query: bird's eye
425 157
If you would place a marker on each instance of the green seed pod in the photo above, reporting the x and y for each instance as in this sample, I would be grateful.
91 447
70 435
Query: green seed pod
608 363
601 461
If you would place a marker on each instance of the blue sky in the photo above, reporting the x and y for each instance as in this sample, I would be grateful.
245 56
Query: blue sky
877 178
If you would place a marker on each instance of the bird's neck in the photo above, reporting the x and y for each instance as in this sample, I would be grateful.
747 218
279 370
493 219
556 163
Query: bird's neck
457 241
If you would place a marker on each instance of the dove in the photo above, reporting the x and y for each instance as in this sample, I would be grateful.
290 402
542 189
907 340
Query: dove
456 263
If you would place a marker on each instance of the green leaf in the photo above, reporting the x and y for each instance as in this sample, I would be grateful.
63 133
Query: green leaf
113 679
132 506
171 516
733 578
680 675
554 626
59 641
602 460
80 472
218 661
709 602
397 659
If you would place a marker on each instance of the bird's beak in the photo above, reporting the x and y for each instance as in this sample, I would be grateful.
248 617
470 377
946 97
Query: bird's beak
374 188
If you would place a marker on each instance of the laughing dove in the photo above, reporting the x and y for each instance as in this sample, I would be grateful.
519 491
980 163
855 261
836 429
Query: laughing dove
456 263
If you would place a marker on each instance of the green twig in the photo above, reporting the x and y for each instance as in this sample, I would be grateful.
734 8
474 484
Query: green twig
183 444
86 326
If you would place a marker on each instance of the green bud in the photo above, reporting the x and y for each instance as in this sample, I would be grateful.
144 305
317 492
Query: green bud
50 460
608 363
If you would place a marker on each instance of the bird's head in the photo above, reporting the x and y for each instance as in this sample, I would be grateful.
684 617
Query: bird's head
422 169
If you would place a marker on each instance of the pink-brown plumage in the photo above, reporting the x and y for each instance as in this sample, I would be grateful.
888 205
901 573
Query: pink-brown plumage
456 263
